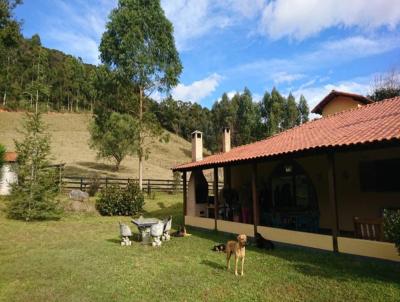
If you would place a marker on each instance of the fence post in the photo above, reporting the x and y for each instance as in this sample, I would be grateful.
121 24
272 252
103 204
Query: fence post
81 183
106 182
148 187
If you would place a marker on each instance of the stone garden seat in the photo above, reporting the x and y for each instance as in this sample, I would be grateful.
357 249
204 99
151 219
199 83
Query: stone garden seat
156 231
167 228
125 233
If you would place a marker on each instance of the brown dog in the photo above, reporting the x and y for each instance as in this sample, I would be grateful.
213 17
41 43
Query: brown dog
237 248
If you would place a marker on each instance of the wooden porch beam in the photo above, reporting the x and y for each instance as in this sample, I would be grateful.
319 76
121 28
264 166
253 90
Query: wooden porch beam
256 212
333 199
216 201
228 177
184 196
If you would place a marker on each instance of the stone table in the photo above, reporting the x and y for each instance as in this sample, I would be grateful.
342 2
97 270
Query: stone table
144 225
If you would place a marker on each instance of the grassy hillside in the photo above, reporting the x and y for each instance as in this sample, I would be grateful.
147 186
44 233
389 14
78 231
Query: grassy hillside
70 145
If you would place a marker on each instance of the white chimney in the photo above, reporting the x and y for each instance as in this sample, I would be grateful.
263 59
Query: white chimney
197 145
226 139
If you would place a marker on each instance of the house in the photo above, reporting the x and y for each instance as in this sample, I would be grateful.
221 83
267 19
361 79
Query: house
7 175
337 101
323 184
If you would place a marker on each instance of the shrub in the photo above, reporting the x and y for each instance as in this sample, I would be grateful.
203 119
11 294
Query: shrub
2 154
391 224
94 186
116 200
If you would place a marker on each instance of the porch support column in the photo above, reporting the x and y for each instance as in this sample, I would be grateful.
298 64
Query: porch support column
333 200
184 197
256 212
216 201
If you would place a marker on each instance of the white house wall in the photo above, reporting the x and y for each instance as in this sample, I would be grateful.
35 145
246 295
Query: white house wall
7 178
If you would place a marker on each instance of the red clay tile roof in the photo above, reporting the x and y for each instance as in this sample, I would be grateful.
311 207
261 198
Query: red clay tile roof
358 97
10 157
375 122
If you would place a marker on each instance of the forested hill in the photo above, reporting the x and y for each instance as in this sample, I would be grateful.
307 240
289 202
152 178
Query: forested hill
61 82
67 80
70 85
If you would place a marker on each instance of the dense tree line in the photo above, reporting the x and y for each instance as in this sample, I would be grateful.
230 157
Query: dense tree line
66 80
249 121
34 74
31 71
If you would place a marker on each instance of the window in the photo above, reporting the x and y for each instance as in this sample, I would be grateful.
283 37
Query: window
380 175
292 188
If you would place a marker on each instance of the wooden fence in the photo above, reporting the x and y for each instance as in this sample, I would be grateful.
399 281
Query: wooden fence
149 185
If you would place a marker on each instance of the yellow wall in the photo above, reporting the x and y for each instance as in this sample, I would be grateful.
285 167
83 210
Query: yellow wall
382 250
339 104
317 241
351 201
235 227
205 223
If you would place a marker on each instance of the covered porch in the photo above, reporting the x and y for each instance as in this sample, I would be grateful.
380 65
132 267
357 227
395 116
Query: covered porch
320 199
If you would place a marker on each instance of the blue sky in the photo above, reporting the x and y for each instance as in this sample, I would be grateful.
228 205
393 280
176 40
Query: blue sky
304 46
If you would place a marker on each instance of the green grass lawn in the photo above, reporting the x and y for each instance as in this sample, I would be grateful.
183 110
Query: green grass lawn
79 259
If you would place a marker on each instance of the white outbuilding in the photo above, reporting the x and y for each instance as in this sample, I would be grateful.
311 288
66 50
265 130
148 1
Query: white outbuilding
7 174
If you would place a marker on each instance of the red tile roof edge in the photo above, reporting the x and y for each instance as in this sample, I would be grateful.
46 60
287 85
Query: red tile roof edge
10 157
318 108
201 163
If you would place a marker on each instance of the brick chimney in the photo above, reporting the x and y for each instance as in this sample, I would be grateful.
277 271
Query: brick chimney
197 145
226 139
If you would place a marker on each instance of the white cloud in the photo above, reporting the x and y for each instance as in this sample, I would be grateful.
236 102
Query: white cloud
257 97
245 8
325 55
77 27
195 19
231 93
284 77
77 44
192 19
299 19
197 90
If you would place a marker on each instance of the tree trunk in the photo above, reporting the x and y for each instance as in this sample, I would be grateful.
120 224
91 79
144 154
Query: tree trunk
37 101
140 138
117 164
140 172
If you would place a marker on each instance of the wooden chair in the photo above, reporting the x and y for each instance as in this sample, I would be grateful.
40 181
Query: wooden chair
368 228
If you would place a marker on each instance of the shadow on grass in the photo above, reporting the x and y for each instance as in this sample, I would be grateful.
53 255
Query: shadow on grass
73 170
99 166
174 210
114 241
135 238
317 263
213 264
